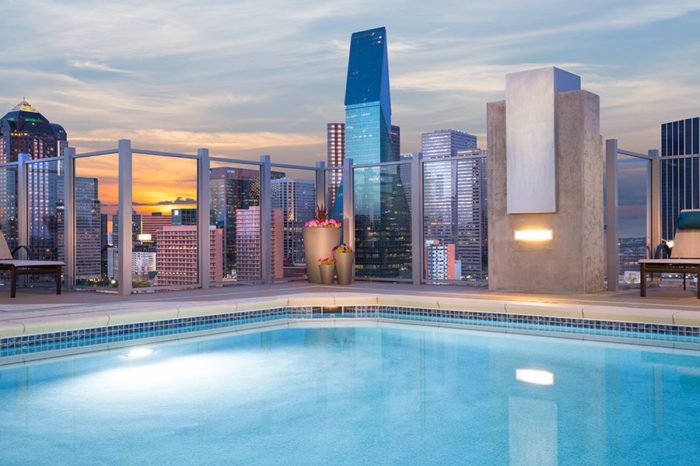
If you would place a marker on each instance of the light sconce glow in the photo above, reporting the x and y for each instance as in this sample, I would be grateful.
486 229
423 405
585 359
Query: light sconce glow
534 376
137 353
533 235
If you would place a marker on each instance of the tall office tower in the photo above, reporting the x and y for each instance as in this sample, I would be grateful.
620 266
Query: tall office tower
187 216
104 245
88 229
296 200
25 130
395 142
230 189
444 143
135 227
335 134
248 244
680 171
176 255
150 224
454 203
382 215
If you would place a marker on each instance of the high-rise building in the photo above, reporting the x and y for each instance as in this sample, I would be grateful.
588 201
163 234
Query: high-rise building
248 244
105 245
445 143
335 134
440 261
395 142
187 216
454 208
176 255
150 224
296 199
135 227
382 214
25 130
88 229
680 171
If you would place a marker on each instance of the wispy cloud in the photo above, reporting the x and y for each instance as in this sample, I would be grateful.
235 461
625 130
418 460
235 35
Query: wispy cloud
96 66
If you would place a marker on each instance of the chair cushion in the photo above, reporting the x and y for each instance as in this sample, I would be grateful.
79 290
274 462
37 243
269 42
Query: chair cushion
688 220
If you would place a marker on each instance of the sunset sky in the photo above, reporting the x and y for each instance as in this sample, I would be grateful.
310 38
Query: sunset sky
245 78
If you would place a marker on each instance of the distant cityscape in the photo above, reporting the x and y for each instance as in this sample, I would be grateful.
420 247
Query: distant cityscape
454 190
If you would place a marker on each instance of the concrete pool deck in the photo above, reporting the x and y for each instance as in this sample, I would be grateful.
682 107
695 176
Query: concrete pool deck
37 311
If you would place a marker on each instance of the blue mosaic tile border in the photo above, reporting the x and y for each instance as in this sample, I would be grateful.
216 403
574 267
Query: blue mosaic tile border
26 344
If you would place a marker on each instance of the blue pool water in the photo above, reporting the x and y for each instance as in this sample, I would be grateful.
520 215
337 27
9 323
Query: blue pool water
365 395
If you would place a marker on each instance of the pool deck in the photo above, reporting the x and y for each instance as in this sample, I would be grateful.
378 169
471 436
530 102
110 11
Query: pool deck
39 311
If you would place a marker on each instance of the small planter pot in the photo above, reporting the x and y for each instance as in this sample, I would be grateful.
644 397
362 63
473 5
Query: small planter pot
318 243
344 267
327 272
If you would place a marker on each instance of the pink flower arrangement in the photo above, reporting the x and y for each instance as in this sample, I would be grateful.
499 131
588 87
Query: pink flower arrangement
328 223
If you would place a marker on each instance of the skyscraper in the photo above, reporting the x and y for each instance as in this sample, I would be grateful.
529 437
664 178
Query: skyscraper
382 215
680 171
295 198
88 231
150 224
248 244
135 227
176 255
25 130
395 142
335 135
454 209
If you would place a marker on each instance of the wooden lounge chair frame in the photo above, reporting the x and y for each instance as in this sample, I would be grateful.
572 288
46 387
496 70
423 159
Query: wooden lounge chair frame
18 267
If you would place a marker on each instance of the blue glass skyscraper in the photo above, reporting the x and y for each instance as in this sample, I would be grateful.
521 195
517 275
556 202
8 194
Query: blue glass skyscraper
382 214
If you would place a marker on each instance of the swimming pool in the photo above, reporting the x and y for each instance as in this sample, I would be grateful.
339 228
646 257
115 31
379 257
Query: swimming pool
387 394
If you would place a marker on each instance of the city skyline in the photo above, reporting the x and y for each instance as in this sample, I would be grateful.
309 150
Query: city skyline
160 73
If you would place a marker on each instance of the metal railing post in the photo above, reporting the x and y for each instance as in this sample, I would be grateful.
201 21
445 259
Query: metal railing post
22 204
124 216
654 222
321 194
416 181
348 186
203 218
69 220
266 219
612 248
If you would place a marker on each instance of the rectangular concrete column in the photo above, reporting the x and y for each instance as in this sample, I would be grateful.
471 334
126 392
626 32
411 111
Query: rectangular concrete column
321 184
612 248
22 204
348 185
266 218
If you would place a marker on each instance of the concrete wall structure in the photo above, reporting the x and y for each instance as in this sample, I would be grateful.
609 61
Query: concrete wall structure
573 260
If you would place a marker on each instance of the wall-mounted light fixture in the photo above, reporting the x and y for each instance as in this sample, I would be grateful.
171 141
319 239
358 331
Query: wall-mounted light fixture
533 235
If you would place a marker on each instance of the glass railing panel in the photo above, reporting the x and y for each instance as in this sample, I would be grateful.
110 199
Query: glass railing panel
96 198
382 222
164 254
632 191
234 193
455 245
293 204
8 212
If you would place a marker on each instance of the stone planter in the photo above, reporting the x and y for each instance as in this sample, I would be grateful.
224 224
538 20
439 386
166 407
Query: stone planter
326 272
318 243
345 267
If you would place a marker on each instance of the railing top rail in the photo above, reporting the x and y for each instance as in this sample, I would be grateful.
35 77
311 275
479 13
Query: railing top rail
46 159
9 164
456 157
635 154
292 166
96 153
240 161
163 154
381 164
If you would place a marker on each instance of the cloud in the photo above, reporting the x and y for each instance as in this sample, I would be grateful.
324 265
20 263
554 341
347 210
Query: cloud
95 66
177 201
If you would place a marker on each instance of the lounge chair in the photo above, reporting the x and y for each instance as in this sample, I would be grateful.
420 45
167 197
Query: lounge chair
26 267
685 253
